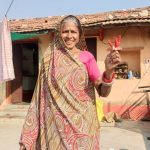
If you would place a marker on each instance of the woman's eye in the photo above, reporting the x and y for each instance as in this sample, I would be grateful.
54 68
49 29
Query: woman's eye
64 31
73 32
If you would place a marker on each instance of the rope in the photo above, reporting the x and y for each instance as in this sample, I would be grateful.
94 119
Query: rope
9 8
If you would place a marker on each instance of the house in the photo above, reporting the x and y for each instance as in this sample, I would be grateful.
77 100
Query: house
31 38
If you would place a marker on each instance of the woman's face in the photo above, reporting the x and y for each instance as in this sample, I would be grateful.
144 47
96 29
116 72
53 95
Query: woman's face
70 34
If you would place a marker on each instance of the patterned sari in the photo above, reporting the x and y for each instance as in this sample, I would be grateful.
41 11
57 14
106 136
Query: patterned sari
62 114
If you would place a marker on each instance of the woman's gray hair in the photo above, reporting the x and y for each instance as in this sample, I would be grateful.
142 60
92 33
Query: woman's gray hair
73 19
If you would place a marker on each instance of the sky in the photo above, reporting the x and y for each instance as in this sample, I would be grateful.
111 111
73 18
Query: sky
24 9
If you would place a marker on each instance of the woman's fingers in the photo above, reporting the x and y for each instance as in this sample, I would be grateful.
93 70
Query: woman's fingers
116 48
114 57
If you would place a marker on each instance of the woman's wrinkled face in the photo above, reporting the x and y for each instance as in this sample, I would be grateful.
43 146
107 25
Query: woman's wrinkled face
70 35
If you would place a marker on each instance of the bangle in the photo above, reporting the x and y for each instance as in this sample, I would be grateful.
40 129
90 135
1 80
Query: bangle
107 82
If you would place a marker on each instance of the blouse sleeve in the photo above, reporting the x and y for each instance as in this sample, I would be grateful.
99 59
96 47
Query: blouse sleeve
91 65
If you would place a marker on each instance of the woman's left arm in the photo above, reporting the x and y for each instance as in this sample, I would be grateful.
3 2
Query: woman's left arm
104 85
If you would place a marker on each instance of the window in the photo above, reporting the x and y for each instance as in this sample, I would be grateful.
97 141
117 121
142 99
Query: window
130 66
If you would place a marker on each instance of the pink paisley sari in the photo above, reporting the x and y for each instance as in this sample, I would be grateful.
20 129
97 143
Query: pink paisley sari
62 114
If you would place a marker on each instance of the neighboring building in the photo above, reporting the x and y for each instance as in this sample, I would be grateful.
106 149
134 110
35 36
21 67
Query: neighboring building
31 38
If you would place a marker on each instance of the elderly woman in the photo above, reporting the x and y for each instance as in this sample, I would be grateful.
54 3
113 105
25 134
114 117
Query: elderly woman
62 114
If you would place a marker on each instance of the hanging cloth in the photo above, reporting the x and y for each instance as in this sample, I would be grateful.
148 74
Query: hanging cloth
6 60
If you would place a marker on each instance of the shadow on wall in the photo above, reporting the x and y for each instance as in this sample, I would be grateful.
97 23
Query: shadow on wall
137 110
140 109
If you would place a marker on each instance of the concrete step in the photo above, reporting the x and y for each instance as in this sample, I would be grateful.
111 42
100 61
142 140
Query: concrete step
14 113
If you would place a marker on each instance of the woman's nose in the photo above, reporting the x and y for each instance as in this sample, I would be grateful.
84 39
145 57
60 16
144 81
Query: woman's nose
69 35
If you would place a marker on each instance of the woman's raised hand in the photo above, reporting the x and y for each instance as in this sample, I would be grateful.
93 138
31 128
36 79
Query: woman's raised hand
113 59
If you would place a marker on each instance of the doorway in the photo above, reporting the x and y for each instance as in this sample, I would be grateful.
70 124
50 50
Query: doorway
29 69
25 60
91 45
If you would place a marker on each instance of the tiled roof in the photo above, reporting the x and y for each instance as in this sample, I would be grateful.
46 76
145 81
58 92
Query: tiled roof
138 15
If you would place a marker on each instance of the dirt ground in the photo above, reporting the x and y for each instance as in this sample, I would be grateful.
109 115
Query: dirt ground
124 135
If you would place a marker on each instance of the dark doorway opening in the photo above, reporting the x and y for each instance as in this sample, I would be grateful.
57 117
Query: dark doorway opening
92 44
25 60
29 69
